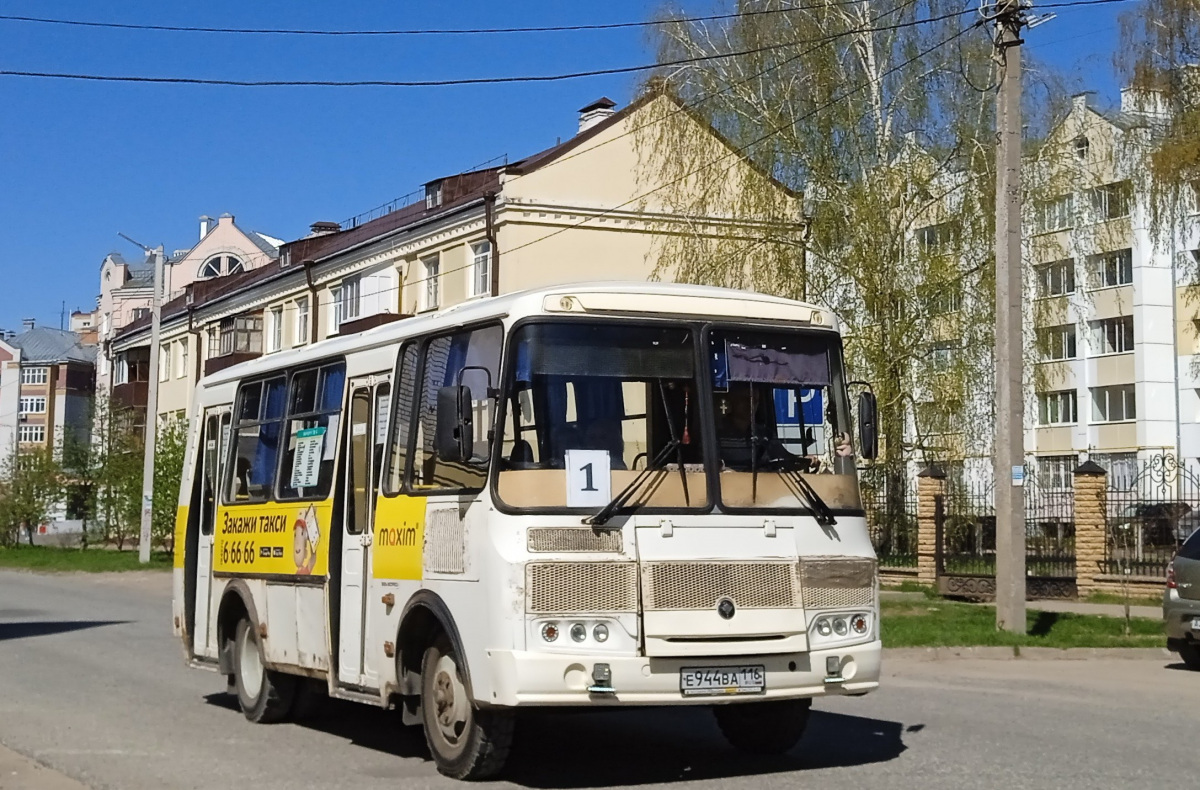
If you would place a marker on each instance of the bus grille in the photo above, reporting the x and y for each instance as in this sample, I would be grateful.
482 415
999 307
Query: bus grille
700 585
838 582
564 539
580 587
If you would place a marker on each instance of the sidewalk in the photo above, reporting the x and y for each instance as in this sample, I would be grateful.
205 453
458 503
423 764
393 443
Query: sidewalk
1072 607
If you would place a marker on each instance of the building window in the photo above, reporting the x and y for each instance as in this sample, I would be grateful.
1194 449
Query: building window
241 335
432 267
937 239
1057 472
947 299
1082 147
1114 404
1110 201
34 375
181 360
214 342
301 321
345 302
481 269
1055 214
27 434
1122 469
275 329
1111 268
219 265
941 355
32 404
1112 335
140 312
164 362
1057 278
1057 342
1057 408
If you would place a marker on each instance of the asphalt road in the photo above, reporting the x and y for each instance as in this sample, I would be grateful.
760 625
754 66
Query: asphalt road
93 686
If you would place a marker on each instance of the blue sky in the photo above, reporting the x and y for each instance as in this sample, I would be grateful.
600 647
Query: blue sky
81 161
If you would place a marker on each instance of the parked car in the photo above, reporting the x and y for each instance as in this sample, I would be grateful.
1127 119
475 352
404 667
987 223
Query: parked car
1181 602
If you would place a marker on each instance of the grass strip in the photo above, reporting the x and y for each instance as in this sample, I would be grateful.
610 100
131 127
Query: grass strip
939 623
95 560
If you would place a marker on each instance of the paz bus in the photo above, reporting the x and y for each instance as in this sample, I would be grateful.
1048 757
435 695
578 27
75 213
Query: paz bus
591 495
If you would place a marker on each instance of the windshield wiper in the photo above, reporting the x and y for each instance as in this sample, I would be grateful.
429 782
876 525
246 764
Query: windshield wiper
625 494
821 511
676 440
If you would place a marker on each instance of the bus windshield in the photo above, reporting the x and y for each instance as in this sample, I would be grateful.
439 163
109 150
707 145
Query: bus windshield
598 411
582 397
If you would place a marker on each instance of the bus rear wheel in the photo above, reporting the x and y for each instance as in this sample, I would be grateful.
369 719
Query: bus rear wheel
263 695
771 727
465 741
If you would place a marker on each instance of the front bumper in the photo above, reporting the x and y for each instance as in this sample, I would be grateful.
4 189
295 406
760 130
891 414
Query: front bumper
521 678
1178 614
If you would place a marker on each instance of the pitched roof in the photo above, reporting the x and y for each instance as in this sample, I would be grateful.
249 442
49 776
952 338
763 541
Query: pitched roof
43 344
265 243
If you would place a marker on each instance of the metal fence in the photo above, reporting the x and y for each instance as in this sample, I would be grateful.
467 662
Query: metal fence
1149 514
966 520
890 499
1049 529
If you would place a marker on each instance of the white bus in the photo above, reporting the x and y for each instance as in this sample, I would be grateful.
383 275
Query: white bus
589 495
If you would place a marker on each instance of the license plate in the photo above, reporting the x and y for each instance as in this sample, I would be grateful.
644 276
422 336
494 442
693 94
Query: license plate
719 681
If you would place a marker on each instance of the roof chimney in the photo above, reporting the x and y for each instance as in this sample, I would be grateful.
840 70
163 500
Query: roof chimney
324 228
28 323
1080 100
594 113
205 224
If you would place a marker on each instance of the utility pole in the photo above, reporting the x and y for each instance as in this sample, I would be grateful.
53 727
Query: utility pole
151 411
1009 461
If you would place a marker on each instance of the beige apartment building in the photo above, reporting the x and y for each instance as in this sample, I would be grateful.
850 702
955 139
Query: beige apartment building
589 208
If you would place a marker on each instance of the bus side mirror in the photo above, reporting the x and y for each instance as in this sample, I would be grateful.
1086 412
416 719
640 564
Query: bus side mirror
455 437
868 430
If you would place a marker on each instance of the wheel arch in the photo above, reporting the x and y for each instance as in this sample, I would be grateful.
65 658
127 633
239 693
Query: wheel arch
424 615
236 602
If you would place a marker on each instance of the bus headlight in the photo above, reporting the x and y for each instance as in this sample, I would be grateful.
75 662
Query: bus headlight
550 632
600 633
840 627
859 624
578 632
823 627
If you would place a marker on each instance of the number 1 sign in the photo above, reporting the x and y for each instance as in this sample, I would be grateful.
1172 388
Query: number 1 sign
589 478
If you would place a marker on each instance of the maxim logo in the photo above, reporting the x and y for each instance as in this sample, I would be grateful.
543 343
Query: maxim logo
726 609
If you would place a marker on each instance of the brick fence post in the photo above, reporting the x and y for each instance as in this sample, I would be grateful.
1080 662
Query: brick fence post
931 483
1091 491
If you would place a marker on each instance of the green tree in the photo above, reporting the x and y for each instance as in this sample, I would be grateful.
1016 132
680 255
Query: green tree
30 488
170 447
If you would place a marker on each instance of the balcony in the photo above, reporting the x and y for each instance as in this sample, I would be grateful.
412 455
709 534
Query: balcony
228 360
130 395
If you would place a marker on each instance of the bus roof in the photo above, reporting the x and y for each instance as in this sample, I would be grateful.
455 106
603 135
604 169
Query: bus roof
589 298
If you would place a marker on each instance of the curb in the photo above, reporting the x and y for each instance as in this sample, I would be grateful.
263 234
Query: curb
990 653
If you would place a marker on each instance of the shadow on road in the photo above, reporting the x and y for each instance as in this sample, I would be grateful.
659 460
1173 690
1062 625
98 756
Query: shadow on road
576 749
25 630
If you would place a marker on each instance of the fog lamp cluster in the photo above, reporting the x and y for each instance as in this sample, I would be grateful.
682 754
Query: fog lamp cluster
842 625
578 632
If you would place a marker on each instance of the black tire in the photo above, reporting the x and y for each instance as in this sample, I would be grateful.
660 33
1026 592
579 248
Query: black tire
771 727
1190 653
275 690
466 742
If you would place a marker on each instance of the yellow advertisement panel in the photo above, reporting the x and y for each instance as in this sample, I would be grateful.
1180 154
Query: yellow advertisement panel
181 519
399 537
288 538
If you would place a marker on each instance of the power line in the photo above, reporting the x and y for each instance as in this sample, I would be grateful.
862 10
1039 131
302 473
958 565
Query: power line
527 78
421 31
449 82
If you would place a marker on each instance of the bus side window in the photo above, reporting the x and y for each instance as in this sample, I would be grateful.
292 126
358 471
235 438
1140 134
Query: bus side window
401 419
314 412
472 359
259 425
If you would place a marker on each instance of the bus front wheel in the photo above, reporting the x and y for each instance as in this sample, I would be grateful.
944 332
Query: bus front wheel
263 695
465 741
764 727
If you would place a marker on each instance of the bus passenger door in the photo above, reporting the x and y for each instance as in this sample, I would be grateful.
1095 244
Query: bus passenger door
365 441
213 444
